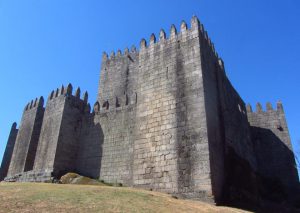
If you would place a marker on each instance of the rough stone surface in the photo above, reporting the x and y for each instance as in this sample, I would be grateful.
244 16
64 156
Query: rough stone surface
59 138
166 118
272 144
27 138
8 151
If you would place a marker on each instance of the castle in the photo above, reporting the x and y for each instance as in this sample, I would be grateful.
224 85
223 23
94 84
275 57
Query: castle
167 119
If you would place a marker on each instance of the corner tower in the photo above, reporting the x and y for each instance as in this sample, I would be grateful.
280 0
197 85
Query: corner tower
27 138
58 143
163 137
273 148
8 151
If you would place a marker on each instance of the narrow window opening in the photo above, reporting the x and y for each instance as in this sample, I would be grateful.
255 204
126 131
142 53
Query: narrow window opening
126 100
117 103
167 73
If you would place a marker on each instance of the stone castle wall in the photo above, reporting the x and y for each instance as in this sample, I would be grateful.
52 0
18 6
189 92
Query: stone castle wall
59 138
8 151
89 156
165 80
171 152
49 133
272 144
27 139
166 118
229 136
117 149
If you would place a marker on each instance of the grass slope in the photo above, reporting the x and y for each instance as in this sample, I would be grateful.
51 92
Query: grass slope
42 197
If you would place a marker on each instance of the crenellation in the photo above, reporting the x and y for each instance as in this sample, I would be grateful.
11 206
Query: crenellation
183 27
195 24
279 107
269 107
77 93
184 32
173 32
69 90
105 105
166 118
57 93
143 44
62 90
104 57
96 107
152 39
205 35
119 53
112 55
31 104
221 64
259 108
213 48
35 102
126 51
51 95
249 108
26 107
40 102
162 35
85 97
118 103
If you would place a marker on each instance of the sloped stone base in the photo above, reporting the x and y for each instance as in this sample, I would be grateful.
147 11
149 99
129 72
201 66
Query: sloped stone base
31 176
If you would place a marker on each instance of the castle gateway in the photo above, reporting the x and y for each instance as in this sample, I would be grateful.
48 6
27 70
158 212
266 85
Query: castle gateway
166 118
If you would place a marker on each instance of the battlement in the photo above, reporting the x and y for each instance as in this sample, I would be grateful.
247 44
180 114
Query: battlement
270 118
117 103
120 70
269 108
113 56
68 92
196 29
34 104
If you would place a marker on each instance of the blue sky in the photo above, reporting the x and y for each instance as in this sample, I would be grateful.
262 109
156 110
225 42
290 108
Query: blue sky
44 44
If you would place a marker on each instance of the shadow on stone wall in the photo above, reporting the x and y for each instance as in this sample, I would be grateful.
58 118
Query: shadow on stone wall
275 184
90 153
274 158
240 189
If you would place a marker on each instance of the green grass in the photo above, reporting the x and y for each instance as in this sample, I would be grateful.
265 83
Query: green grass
42 197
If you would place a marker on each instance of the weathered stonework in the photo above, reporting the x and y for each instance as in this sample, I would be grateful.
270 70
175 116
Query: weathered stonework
272 145
26 143
8 151
166 118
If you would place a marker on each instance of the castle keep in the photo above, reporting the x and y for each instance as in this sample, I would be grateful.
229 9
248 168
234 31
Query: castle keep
166 118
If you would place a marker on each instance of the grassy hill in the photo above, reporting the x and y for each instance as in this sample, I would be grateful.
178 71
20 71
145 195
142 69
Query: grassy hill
43 197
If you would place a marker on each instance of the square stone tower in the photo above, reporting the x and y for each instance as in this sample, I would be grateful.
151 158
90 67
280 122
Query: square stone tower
169 112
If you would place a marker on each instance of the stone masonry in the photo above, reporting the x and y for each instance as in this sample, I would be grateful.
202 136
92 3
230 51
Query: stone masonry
166 118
